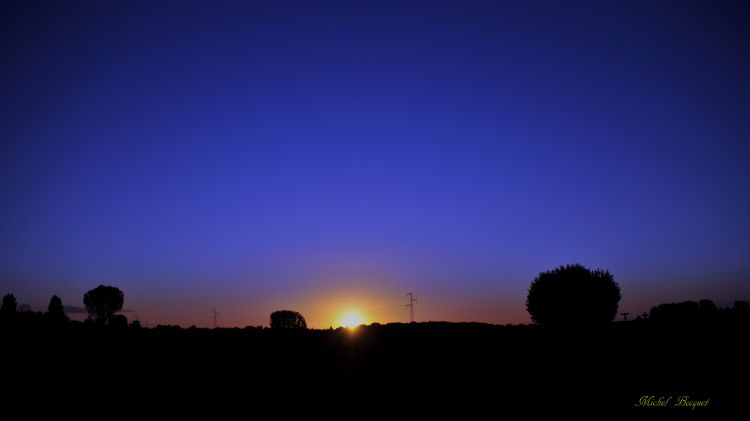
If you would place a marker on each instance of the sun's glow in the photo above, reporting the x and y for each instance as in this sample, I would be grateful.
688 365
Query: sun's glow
351 319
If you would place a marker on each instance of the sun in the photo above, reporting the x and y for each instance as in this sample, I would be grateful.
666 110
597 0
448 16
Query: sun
351 319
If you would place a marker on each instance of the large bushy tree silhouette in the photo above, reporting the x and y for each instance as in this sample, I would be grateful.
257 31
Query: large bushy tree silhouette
103 302
287 319
573 295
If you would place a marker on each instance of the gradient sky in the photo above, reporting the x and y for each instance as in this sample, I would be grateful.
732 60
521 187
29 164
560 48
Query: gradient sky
324 155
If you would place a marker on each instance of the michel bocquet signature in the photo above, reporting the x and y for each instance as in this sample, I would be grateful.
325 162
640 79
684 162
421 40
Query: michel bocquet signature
670 401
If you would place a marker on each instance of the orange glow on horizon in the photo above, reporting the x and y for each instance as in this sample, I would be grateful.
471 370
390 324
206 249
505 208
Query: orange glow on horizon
345 306
351 319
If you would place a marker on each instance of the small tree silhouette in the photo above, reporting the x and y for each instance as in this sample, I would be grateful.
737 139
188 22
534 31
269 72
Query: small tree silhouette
741 307
10 305
708 309
55 310
573 295
287 319
118 321
103 302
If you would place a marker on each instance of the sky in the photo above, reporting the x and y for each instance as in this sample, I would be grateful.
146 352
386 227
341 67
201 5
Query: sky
322 156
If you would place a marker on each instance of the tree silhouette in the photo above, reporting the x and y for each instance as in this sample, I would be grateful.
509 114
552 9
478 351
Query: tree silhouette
10 305
55 310
741 307
103 302
118 321
684 312
287 319
573 295
708 309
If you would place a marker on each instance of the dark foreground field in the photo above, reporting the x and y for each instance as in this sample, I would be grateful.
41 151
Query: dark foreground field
476 370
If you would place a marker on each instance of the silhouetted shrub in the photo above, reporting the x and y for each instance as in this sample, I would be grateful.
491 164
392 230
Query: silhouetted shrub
741 307
708 309
10 305
55 310
573 295
103 302
118 321
287 319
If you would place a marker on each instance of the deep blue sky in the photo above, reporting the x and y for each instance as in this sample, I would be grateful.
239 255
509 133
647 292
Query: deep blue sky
250 156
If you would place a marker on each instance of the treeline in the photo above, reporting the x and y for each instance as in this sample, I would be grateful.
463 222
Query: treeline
104 303
703 311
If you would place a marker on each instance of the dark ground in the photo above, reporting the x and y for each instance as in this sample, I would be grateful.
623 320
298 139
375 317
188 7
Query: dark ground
468 370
